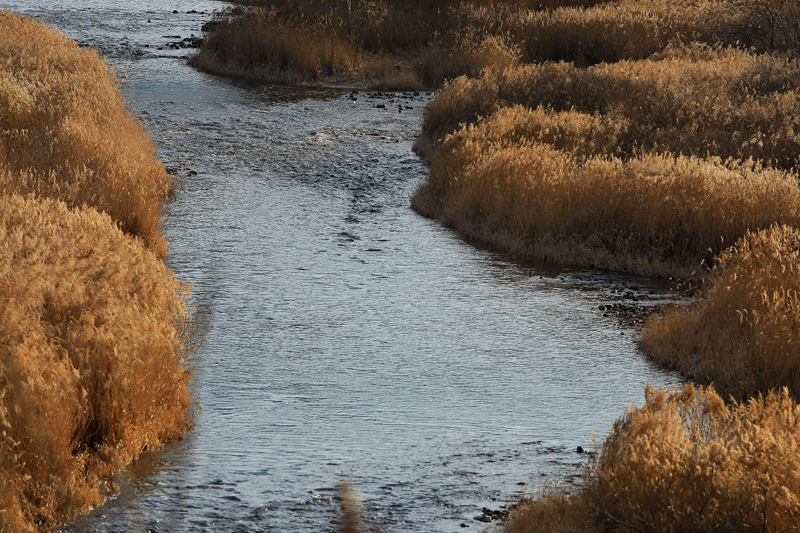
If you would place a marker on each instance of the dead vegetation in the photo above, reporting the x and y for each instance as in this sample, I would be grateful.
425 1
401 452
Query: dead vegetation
95 335
341 41
684 462
649 166
743 334
65 132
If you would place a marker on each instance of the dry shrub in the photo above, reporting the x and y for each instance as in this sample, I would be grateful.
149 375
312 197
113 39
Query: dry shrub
690 100
65 131
769 24
529 181
686 462
743 334
93 357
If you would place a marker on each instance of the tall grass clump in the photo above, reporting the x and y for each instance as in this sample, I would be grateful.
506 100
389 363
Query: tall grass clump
437 41
684 462
65 131
650 166
744 334
93 358
257 43
95 335
690 100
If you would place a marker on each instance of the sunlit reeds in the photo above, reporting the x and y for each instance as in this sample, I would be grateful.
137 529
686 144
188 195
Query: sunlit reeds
95 335
65 131
93 357
684 462
691 100
435 41
744 333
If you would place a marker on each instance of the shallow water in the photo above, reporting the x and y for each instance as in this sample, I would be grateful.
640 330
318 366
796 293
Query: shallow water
349 337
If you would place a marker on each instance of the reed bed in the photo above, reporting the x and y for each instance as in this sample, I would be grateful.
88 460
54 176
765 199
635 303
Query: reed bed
590 177
684 462
65 131
529 182
95 335
94 348
690 100
438 41
743 335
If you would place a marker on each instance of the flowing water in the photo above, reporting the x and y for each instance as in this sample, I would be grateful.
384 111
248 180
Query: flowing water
349 338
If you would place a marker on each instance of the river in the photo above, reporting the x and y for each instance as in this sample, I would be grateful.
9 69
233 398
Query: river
348 337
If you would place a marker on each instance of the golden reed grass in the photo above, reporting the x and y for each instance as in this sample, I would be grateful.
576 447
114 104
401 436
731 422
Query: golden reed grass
94 332
436 41
548 184
743 334
691 100
65 131
93 357
684 462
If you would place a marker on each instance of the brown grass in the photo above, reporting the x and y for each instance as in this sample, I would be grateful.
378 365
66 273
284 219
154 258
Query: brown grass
443 39
65 131
94 332
691 100
529 181
93 358
743 334
256 43
685 462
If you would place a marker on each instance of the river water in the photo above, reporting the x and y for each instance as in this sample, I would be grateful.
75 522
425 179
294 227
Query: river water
349 338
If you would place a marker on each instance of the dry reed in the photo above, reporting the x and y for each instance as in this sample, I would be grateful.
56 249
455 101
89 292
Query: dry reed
442 40
94 332
93 358
691 100
256 43
743 334
65 131
545 184
684 462
350 508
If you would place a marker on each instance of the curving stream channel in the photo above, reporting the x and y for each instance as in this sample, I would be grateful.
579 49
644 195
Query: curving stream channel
349 337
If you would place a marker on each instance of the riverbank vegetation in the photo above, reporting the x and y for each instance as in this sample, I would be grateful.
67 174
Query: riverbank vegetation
685 461
654 161
650 166
411 44
67 134
95 334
